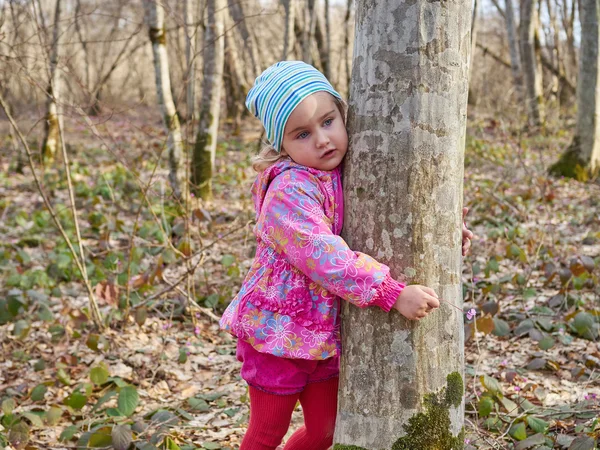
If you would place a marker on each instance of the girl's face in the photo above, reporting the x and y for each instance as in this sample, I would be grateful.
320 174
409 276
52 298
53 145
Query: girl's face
315 133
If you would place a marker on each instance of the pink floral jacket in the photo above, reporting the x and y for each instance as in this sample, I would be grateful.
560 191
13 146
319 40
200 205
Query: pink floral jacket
288 304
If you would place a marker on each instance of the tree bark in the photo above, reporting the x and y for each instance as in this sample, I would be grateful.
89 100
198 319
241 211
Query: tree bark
235 85
327 58
309 30
191 39
403 195
533 91
513 44
346 53
584 152
156 24
236 11
288 35
51 129
208 127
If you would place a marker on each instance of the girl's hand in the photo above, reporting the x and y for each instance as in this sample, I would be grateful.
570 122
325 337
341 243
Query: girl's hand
415 302
467 234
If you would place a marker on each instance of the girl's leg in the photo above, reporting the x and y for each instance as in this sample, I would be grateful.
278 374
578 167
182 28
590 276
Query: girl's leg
270 417
319 406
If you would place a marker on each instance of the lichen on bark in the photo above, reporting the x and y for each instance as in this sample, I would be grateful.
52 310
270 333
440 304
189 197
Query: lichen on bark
430 430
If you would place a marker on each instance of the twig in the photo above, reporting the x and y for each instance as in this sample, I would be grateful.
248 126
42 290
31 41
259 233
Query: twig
190 270
80 263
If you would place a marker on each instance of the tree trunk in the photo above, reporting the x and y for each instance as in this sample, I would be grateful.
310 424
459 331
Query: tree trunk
327 58
237 14
584 152
309 30
235 85
401 382
288 35
51 129
533 92
474 29
346 55
156 24
208 127
513 44
191 39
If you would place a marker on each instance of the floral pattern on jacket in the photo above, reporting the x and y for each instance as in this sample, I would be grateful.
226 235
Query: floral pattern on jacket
288 304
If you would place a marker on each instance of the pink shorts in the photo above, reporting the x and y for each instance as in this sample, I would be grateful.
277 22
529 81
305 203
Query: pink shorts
283 376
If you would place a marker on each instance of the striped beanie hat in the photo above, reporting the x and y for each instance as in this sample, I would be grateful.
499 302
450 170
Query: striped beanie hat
278 90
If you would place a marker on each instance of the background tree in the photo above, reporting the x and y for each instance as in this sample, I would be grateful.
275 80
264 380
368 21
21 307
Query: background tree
210 106
51 135
156 26
584 151
401 382
533 83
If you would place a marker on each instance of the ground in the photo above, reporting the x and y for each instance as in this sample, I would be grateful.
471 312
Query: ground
165 371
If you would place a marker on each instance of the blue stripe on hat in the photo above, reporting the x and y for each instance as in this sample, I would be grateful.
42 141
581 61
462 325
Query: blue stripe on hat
277 92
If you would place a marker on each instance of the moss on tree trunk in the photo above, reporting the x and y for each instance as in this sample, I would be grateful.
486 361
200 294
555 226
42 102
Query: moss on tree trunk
570 163
430 430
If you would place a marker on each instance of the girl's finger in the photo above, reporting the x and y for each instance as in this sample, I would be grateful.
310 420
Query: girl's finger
432 302
429 291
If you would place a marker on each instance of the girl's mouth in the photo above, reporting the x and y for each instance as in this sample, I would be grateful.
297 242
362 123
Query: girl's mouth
328 153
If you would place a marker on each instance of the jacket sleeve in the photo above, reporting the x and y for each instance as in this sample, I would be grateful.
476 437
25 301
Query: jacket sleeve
293 222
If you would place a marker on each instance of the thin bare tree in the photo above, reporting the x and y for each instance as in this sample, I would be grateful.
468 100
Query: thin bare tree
210 104
288 33
513 45
51 129
236 11
584 151
533 84
155 18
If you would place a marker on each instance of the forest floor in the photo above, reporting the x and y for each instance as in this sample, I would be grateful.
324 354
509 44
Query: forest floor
161 375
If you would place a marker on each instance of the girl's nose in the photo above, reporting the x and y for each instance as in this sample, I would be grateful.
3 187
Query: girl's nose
322 139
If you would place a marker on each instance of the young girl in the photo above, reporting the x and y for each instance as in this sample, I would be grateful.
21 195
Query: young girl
286 315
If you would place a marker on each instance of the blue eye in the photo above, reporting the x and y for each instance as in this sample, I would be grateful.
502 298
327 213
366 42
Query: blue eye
302 135
328 122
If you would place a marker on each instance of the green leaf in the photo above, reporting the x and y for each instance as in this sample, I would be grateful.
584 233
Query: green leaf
121 437
128 400
501 327
38 392
8 405
584 324
68 433
211 301
531 441
35 419
486 405
537 425
170 444
53 415
583 443
547 343
492 424
18 435
76 400
63 377
511 407
198 404
227 260
99 375
491 384
518 431
211 446
101 438
106 397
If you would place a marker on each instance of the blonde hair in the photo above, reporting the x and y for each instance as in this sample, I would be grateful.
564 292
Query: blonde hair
267 156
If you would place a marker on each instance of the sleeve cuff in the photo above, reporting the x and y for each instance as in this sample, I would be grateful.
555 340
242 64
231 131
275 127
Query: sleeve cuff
387 293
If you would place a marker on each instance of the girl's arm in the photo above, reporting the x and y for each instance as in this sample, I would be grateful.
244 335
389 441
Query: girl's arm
293 222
